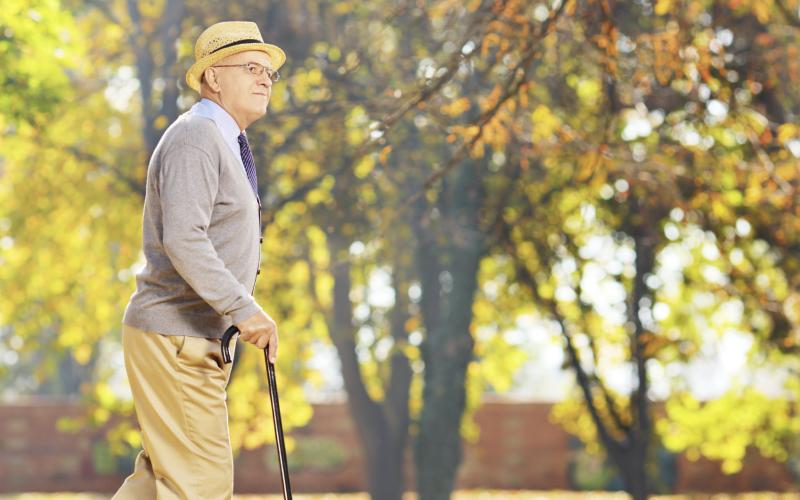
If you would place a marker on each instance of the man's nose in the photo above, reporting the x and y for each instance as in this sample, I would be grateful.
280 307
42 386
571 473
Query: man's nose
265 80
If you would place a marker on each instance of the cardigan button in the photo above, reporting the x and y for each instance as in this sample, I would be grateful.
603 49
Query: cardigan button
258 272
261 240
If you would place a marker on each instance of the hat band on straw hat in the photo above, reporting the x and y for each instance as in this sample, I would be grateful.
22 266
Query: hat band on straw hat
237 42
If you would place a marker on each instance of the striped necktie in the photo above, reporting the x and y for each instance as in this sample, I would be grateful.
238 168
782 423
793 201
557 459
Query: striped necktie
249 164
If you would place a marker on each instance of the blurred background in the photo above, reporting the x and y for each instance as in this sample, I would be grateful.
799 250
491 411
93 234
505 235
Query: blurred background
509 244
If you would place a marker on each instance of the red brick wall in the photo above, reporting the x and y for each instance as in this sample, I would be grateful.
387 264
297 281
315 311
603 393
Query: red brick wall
518 448
758 474
34 456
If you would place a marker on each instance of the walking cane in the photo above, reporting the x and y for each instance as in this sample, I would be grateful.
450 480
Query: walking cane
276 410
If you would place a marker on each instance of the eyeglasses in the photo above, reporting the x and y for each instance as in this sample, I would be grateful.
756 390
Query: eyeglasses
255 69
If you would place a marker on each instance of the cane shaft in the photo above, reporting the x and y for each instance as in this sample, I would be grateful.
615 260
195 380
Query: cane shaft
278 424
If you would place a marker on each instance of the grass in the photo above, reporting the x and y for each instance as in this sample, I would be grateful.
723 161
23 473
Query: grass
459 495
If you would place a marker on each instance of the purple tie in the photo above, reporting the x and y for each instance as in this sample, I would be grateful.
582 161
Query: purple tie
249 164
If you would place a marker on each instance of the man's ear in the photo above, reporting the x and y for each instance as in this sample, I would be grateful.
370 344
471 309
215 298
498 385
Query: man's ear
210 79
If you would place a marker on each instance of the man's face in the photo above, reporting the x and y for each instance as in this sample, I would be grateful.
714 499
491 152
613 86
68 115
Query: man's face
244 95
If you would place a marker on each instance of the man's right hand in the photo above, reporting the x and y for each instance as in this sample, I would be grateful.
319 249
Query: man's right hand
261 331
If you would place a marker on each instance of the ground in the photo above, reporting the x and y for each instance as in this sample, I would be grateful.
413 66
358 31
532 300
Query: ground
460 495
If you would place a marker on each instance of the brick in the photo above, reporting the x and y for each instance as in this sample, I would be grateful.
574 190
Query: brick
518 448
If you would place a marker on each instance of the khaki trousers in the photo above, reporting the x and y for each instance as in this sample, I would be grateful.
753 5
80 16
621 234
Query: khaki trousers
178 385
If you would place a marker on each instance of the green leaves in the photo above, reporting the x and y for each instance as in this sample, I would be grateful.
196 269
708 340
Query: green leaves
39 44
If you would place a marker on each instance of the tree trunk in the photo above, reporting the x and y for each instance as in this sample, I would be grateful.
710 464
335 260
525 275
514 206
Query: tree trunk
385 466
438 450
632 468
381 427
159 109
631 455
448 259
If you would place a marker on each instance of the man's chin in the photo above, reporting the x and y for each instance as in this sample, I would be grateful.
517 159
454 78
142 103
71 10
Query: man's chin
260 113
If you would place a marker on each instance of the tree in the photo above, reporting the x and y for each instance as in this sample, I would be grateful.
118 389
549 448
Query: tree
57 304
428 175
659 179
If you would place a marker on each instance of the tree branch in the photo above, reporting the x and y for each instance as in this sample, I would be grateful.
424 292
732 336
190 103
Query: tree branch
529 281
791 17
517 77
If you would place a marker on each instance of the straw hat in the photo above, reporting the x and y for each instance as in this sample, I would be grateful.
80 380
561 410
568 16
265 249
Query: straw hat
221 40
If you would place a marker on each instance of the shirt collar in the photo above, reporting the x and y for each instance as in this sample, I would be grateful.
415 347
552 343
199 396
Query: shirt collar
224 121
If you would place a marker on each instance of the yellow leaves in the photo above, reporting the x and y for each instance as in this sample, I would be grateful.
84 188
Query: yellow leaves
546 290
318 249
254 438
248 401
364 166
351 60
356 123
721 210
491 100
316 197
653 343
589 91
475 387
754 192
70 335
412 324
496 132
664 6
314 77
334 54
299 271
499 362
341 8
473 5
488 41
105 399
572 414
324 289
571 8
706 428
788 131
307 169
589 163
73 233
160 122
99 415
133 438
483 311
466 134
526 251
522 97
373 380
545 123
456 107
761 8
383 157
316 235
787 171
666 51
442 8
82 353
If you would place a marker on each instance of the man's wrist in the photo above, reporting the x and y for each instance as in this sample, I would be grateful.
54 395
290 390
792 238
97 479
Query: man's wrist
245 312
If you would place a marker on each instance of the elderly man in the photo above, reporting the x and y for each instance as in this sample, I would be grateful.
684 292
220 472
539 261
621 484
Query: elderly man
201 239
